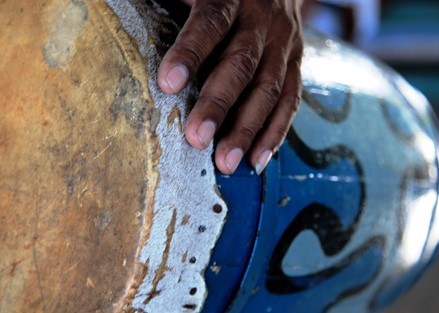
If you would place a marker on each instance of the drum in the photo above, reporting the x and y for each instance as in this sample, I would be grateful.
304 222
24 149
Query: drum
105 207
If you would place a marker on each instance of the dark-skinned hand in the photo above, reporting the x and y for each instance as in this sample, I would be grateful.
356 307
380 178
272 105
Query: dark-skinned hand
254 86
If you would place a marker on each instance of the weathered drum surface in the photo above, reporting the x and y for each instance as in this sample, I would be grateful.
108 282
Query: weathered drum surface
104 206
95 172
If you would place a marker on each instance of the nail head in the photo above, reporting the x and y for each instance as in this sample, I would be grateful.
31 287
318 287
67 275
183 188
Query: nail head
193 291
217 208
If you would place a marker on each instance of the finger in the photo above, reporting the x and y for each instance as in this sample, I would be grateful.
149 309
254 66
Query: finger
254 110
271 138
224 85
189 2
208 23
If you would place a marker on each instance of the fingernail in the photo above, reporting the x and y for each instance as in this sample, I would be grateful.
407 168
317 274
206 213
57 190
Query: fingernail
205 132
233 159
263 160
176 77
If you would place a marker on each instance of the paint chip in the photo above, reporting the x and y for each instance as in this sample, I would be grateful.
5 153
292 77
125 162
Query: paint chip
215 268
284 201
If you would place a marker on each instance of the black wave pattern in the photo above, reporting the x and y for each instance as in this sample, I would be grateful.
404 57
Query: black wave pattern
401 275
342 93
323 221
403 129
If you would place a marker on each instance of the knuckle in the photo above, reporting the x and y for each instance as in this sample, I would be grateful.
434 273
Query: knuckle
247 133
192 51
292 34
290 25
271 91
244 64
216 17
218 103
288 22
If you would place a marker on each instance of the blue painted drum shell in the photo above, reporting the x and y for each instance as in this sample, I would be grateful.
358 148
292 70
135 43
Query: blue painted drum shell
344 217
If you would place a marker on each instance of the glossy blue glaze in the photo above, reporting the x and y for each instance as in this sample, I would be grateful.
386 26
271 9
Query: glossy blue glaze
228 262
347 215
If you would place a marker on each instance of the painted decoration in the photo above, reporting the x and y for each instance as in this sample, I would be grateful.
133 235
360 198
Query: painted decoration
347 217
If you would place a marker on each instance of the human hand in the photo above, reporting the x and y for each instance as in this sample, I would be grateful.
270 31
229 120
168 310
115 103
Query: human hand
257 76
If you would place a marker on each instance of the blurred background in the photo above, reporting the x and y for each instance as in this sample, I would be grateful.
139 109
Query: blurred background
405 35
402 33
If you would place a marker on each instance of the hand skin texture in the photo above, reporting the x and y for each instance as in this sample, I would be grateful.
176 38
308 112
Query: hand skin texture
254 88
